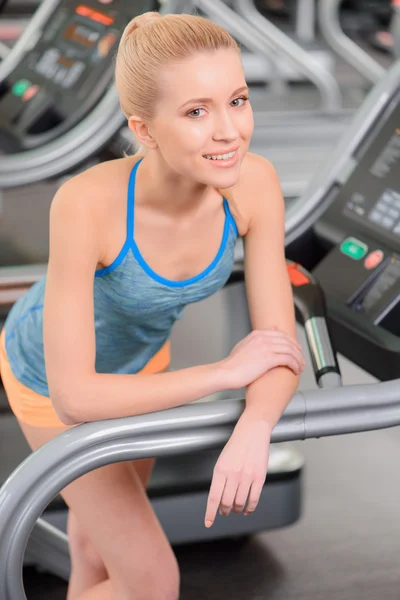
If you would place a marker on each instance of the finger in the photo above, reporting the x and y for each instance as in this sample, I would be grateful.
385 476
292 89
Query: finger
254 496
242 494
214 498
283 357
286 360
228 495
288 338
277 333
288 347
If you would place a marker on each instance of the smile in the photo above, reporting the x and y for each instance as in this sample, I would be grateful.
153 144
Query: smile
223 161
220 156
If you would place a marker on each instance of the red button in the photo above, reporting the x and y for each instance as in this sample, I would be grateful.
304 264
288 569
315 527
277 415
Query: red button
30 92
373 259
297 277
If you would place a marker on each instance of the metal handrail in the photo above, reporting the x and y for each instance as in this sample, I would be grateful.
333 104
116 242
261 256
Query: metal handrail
328 18
294 53
244 24
179 430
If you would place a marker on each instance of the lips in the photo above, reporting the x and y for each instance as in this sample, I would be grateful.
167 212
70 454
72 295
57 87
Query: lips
222 155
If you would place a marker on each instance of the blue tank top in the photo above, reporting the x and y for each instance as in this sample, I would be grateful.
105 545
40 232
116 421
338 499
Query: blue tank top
134 308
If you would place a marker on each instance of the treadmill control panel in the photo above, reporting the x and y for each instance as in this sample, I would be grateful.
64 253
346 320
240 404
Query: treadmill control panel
385 287
369 201
372 194
362 270
65 74
81 41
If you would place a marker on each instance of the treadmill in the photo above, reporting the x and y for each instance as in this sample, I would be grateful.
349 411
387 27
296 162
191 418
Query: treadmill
353 308
310 135
59 111
329 23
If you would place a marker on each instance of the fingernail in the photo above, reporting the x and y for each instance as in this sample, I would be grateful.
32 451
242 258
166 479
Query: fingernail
208 523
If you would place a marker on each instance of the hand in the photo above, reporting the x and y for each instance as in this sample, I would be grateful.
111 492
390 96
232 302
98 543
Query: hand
258 353
241 469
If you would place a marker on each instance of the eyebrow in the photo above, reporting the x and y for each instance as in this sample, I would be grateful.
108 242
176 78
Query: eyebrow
205 100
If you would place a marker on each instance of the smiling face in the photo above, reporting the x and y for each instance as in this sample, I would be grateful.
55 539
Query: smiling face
203 121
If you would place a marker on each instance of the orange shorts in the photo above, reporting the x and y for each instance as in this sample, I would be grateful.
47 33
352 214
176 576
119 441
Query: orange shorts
37 410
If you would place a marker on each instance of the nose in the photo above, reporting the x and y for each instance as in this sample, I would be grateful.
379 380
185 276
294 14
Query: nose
224 128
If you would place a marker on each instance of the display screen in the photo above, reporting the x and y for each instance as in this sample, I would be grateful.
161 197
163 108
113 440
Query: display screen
95 15
60 69
372 193
81 34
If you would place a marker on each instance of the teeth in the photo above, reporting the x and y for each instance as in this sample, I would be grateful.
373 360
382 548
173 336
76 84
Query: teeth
221 156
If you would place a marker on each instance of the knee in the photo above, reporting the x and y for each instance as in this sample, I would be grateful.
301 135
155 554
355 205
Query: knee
163 582
82 549
170 583
158 579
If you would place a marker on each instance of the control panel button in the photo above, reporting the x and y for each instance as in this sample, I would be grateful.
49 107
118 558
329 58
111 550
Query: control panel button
373 259
297 277
354 248
30 93
20 87
375 216
387 222
392 212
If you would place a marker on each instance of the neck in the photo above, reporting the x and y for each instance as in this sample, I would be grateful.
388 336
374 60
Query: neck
167 190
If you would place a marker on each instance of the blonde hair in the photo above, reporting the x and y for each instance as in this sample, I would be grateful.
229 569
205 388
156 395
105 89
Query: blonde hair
151 41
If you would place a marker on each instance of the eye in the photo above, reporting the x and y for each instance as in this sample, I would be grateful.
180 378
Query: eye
195 112
239 101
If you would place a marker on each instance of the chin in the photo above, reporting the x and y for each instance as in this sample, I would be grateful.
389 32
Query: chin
225 179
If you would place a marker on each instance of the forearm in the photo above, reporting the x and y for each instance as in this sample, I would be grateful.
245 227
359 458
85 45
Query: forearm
110 396
268 396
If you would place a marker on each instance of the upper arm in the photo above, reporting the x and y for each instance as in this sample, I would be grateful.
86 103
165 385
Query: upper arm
68 319
268 287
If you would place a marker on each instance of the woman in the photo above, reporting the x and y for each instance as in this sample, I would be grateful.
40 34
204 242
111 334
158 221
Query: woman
132 241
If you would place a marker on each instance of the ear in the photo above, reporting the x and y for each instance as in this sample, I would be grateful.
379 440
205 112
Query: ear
142 132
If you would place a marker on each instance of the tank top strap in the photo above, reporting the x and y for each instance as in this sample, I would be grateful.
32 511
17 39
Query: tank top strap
131 202
229 216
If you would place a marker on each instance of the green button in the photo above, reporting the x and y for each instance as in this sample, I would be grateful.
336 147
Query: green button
354 248
20 87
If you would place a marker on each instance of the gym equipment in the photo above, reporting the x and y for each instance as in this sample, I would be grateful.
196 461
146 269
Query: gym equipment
395 28
328 18
53 118
369 148
280 63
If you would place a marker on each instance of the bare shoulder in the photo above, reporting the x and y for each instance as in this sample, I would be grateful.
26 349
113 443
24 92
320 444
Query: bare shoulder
95 200
258 183
95 186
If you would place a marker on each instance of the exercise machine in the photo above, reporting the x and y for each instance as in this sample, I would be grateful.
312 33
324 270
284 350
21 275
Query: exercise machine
54 118
329 22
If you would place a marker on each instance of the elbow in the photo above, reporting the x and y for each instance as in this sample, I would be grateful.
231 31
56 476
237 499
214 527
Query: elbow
64 412
65 405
